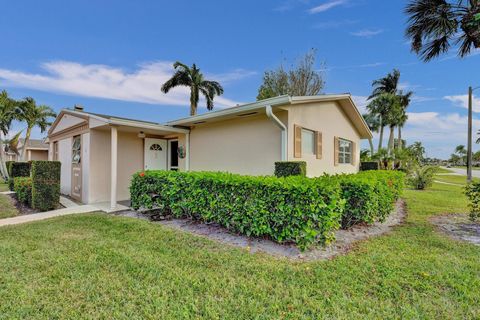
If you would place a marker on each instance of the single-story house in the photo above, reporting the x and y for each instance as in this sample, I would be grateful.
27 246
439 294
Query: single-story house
99 153
36 149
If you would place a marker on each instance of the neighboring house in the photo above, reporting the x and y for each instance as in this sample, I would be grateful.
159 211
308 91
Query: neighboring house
37 149
325 131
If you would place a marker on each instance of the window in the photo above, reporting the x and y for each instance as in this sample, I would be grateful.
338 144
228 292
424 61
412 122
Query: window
156 147
76 149
308 141
344 151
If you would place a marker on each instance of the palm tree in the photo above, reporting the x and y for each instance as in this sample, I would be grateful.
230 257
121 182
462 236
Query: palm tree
34 116
435 25
385 107
373 122
462 152
405 99
387 84
395 115
7 115
193 78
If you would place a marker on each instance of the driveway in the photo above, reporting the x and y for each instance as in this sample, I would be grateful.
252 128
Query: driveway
463 172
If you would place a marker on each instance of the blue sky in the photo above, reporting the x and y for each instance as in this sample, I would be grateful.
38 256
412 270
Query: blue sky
112 56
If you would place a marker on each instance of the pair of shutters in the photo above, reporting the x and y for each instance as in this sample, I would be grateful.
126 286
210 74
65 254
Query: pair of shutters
298 142
336 153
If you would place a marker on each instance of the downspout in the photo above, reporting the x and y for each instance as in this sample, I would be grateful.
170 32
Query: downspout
278 123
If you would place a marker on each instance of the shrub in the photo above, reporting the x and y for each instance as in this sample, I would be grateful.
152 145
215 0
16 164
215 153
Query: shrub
472 191
23 189
18 169
421 178
45 185
293 209
290 168
369 165
369 196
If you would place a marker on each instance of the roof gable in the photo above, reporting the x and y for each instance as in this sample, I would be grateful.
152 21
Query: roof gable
64 121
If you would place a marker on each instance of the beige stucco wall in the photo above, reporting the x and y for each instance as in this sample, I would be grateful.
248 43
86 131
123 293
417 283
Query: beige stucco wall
66 122
248 145
65 157
328 118
130 160
38 155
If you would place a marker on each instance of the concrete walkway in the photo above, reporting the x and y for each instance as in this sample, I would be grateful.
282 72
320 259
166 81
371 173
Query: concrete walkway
46 215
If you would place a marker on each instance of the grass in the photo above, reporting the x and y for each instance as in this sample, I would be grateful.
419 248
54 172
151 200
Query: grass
3 187
443 170
100 266
458 179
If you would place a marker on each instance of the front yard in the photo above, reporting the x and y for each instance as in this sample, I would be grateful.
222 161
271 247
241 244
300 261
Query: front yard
100 266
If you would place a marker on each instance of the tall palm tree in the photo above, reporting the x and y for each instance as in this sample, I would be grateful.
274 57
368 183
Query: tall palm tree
387 84
384 106
393 118
462 152
373 122
405 99
436 25
34 116
7 115
192 77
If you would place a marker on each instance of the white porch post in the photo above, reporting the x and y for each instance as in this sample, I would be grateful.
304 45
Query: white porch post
187 150
113 174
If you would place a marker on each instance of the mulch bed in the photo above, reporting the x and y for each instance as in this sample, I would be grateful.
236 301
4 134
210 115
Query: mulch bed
458 227
24 209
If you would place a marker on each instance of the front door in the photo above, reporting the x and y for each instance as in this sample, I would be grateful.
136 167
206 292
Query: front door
155 154
76 192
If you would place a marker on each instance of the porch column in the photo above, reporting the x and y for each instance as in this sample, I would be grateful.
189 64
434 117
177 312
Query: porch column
187 150
113 173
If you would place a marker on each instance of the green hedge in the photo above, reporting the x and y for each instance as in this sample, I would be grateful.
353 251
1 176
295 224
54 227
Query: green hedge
290 168
23 190
369 195
293 209
18 169
45 185
299 210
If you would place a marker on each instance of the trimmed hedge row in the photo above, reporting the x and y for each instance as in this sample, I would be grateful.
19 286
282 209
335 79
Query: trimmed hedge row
17 169
299 210
45 185
23 190
290 168
294 209
370 195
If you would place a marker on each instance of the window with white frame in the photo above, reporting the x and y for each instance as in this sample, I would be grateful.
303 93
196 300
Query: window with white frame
308 141
344 151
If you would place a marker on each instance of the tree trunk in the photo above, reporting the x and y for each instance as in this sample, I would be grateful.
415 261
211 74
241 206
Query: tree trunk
391 140
370 141
25 143
400 143
381 135
3 165
193 109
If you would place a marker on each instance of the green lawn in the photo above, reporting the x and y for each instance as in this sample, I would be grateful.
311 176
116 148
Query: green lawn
3 187
443 170
7 209
458 179
99 266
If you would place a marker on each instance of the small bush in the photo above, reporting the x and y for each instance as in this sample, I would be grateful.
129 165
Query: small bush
369 165
472 191
45 185
290 168
293 209
421 178
23 190
370 196
18 169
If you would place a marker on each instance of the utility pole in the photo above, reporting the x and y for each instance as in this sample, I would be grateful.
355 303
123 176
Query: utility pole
469 148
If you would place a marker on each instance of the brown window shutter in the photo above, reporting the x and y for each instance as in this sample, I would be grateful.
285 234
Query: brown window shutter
297 141
319 141
336 151
354 153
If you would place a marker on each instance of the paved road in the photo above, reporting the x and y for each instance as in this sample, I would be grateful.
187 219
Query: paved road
463 172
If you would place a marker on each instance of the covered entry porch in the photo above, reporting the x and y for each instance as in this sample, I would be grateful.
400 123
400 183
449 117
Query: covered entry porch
118 150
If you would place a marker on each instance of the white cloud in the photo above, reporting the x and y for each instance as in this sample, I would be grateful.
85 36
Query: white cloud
462 102
367 33
327 6
102 81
